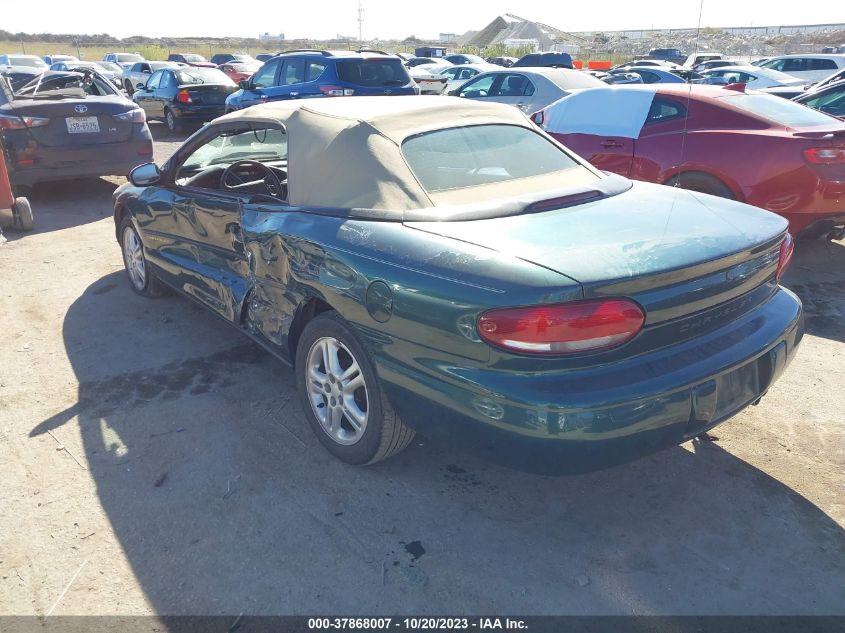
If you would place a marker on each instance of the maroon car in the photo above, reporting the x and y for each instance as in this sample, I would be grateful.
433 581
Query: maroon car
191 59
756 148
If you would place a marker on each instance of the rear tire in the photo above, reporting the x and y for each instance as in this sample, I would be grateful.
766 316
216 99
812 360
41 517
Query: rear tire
702 183
334 375
23 214
127 85
141 277
173 124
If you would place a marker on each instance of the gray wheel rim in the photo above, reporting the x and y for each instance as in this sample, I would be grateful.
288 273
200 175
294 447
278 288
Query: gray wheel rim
337 390
133 258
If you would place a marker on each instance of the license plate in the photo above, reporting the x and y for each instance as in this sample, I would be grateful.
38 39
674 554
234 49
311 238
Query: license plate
82 124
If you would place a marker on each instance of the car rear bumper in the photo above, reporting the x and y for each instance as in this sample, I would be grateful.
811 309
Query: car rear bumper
803 198
199 112
112 159
576 420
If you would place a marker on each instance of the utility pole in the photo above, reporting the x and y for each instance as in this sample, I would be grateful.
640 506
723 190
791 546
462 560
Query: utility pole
360 23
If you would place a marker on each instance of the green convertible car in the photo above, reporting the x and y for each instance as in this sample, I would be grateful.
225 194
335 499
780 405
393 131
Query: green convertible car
444 266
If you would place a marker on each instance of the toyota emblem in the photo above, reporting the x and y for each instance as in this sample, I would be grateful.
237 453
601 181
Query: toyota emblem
81 108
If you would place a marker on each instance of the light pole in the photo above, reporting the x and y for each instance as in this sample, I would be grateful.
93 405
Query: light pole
360 23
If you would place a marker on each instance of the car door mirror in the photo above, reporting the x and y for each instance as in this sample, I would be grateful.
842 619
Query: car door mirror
246 84
145 175
140 86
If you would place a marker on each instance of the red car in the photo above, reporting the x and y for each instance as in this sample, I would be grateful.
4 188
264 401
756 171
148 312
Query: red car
753 147
239 70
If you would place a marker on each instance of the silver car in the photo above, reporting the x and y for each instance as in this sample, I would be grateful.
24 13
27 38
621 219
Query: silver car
529 89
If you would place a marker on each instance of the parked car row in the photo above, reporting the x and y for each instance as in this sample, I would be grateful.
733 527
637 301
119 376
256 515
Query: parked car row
181 95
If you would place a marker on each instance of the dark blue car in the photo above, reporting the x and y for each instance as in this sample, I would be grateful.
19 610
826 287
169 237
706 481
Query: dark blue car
313 73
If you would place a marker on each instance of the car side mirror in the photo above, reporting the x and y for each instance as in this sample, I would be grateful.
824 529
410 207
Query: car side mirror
139 86
145 175
245 84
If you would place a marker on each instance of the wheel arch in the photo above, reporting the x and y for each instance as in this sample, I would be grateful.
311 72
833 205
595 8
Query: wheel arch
670 175
309 308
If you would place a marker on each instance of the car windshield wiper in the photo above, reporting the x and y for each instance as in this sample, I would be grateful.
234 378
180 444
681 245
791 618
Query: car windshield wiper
392 82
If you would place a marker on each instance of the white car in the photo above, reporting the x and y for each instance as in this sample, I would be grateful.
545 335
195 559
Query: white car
428 77
529 89
810 68
752 76
458 75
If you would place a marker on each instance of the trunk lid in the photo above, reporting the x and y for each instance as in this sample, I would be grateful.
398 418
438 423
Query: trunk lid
208 94
77 114
674 251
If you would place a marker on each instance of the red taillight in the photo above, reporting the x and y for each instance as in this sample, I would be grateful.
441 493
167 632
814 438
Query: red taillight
183 97
825 155
787 246
565 328
336 91
12 122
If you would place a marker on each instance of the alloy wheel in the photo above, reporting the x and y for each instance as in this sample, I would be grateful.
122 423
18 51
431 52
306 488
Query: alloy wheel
337 390
133 258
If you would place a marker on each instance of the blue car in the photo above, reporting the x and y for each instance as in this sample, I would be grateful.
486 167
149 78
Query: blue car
313 73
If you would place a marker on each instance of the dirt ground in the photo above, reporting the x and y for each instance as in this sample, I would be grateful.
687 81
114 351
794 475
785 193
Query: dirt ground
154 461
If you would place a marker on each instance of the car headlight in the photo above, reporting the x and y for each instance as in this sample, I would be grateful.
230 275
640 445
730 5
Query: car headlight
136 115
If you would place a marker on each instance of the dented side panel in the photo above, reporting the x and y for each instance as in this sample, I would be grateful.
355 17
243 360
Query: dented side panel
429 289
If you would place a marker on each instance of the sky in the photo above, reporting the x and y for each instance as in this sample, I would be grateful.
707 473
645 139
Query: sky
394 19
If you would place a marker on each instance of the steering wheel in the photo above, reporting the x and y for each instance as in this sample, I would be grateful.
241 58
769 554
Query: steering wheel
271 180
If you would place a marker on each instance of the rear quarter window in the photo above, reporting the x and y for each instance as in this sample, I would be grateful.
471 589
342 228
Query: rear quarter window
463 157
779 111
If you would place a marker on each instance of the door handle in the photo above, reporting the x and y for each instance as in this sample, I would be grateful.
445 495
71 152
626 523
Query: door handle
294 94
609 144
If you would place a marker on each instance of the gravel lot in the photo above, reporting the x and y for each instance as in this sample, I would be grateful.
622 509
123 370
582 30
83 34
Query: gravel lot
153 460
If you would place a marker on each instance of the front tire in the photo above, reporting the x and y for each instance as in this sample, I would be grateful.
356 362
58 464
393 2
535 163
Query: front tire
23 214
141 278
127 85
341 396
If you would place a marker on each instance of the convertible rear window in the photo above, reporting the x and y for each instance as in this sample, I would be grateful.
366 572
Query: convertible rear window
778 110
481 154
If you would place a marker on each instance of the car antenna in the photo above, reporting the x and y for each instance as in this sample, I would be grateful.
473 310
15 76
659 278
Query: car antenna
689 97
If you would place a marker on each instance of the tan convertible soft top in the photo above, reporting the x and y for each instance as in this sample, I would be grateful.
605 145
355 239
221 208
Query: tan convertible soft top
345 152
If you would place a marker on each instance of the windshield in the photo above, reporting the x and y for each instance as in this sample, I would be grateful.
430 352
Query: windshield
110 66
194 58
202 76
481 154
251 66
778 110
129 57
373 72
66 85
268 145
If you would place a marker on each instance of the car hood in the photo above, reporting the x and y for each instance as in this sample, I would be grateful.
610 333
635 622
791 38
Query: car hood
646 230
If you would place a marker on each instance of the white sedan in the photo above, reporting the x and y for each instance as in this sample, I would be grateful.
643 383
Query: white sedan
752 76
428 77
458 75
